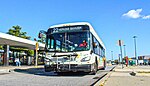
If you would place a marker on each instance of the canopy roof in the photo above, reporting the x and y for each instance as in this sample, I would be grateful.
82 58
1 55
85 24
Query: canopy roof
6 39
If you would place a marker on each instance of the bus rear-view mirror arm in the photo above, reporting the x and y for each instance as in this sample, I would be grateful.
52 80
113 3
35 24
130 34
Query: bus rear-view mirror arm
91 52
41 33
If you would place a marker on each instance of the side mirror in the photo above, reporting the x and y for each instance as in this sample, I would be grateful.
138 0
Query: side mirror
41 34
95 45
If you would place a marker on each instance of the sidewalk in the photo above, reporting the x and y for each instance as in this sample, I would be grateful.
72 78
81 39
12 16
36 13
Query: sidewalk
8 69
122 77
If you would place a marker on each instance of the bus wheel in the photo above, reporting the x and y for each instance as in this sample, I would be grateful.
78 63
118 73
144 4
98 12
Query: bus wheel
103 68
95 67
94 70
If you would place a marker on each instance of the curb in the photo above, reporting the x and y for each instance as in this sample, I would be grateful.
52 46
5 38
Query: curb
102 80
96 82
5 71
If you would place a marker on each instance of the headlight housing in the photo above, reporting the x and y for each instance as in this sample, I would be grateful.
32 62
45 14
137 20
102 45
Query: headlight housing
87 58
47 61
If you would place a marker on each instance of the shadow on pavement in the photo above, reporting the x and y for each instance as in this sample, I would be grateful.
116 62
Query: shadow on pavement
41 72
3 73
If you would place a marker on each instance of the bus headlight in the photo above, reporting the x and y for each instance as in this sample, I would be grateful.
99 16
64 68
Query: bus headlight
87 58
47 61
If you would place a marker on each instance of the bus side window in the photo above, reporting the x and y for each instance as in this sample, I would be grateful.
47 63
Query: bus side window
95 45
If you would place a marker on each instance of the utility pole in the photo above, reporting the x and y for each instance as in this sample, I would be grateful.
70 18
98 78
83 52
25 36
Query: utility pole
134 37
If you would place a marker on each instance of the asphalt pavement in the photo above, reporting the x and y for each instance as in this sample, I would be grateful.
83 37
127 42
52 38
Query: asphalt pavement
31 76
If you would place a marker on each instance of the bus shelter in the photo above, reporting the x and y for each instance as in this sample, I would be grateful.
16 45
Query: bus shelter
9 40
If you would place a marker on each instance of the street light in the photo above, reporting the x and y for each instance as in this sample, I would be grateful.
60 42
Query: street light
134 37
112 55
124 50
119 58
125 57
120 44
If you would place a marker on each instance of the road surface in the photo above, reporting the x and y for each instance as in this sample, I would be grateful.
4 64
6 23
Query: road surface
37 77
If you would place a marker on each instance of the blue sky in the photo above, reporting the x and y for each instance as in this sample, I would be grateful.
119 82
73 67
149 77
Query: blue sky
112 19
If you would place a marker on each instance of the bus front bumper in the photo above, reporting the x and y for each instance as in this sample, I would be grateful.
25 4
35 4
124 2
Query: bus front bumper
69 68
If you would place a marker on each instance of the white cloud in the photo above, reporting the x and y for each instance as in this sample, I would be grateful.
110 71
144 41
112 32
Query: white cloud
133 14
146 17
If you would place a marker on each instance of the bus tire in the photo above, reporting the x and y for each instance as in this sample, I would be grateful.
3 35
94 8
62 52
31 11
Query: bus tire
94 70
103 68
47 69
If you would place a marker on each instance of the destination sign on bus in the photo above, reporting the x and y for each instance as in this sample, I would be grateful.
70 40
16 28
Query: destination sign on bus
67 29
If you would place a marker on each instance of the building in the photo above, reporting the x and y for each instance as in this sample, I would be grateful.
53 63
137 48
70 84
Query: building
144 60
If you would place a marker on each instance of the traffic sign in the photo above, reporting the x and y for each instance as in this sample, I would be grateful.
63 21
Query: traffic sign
120 42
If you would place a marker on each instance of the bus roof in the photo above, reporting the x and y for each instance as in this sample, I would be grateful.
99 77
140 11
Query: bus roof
82 23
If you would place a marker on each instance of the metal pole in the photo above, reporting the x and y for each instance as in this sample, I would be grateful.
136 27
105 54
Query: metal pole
125 57
121 56
36 58
124 50
112 55
135 49
36 53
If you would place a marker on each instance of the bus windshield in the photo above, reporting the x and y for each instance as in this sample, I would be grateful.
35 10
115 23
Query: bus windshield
68 41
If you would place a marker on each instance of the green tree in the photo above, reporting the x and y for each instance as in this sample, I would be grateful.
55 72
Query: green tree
30 52
1 47
16 31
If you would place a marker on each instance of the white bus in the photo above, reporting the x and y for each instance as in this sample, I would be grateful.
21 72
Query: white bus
74 47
